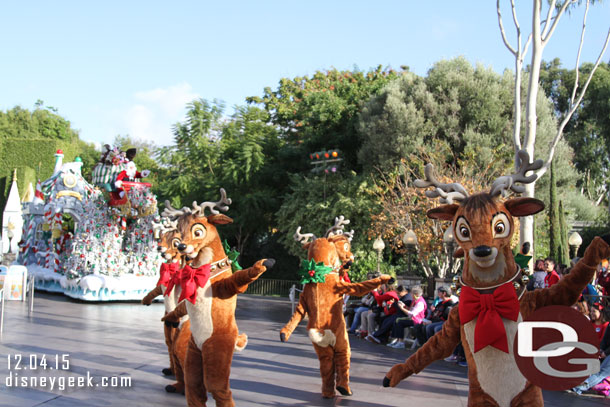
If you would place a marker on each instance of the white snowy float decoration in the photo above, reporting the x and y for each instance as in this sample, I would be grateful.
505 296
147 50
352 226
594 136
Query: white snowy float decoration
111 254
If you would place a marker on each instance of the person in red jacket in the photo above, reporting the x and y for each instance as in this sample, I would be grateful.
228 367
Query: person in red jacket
551 275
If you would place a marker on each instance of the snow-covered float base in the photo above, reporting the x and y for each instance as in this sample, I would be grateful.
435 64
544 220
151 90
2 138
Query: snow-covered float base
93 287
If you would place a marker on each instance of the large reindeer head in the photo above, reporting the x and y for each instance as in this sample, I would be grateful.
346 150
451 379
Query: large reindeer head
199 239
483 225
334 249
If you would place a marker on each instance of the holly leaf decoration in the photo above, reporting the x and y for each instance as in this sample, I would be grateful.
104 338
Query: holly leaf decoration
233 255
312 272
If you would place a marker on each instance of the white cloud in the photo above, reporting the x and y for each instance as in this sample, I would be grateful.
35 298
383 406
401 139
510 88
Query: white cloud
155 111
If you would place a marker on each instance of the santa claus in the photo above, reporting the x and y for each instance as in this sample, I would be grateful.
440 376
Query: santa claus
130 173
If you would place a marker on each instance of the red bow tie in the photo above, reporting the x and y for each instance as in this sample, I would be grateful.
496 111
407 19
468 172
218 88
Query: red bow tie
174 277
490 309
165 274
191 278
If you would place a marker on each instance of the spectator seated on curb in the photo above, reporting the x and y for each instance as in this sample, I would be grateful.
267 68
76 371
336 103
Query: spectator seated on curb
537 279
380 335
604 370
415 316
598 320
365 305
458 356
388 301
439 315
370 318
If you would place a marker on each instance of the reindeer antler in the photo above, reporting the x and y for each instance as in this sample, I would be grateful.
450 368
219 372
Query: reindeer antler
447 192
338 227
165 225
171 212
222 205
504 183
350 235
303 238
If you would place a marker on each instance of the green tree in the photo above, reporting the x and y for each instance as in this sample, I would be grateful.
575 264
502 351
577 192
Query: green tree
468 108
320 112
28 141
308 206
555 248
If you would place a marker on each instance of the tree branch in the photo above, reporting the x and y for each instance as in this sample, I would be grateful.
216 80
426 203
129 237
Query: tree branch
510 48
548 32
549 17
574 105
582 38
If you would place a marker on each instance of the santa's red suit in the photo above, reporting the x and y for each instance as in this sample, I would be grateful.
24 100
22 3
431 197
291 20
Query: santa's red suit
118 196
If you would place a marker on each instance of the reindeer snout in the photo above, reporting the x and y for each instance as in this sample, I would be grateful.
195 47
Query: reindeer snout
182 247
482 251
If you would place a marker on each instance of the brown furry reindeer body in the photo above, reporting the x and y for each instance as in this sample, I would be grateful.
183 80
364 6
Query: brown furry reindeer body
483 227
177 334
208 295
323 303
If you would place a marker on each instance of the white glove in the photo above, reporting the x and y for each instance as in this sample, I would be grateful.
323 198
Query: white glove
118 184
145 173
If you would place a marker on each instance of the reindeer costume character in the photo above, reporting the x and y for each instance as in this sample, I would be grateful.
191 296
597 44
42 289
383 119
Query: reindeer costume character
322 301
209 297
168 269
177 334
493 299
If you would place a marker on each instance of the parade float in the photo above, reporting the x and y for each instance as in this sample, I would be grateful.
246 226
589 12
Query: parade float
92 241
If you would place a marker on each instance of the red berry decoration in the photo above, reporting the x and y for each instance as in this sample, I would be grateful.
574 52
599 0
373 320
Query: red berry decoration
311 273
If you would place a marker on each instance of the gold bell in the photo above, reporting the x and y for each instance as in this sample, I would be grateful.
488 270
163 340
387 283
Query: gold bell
458 291
453 287
525 279
516 285
456 279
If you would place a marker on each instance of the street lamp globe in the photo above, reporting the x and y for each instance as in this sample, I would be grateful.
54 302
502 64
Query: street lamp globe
574 239
378 244
448 237
409 238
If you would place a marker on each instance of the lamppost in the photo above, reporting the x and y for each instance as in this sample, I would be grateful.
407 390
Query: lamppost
410 241
379 246
449 241
574 241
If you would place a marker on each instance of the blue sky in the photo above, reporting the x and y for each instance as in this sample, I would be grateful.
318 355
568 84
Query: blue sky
130 67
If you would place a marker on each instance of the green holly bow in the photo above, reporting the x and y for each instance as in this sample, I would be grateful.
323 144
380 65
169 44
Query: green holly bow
232 254
312 272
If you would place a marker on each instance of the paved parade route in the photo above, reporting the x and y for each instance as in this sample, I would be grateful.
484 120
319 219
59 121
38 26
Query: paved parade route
126 340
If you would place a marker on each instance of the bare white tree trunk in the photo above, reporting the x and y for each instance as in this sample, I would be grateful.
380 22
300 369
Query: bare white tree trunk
542 32
526 234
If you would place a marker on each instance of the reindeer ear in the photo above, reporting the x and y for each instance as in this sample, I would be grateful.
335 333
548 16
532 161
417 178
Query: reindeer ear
306 246
459 253
524 206
444 212
219 219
